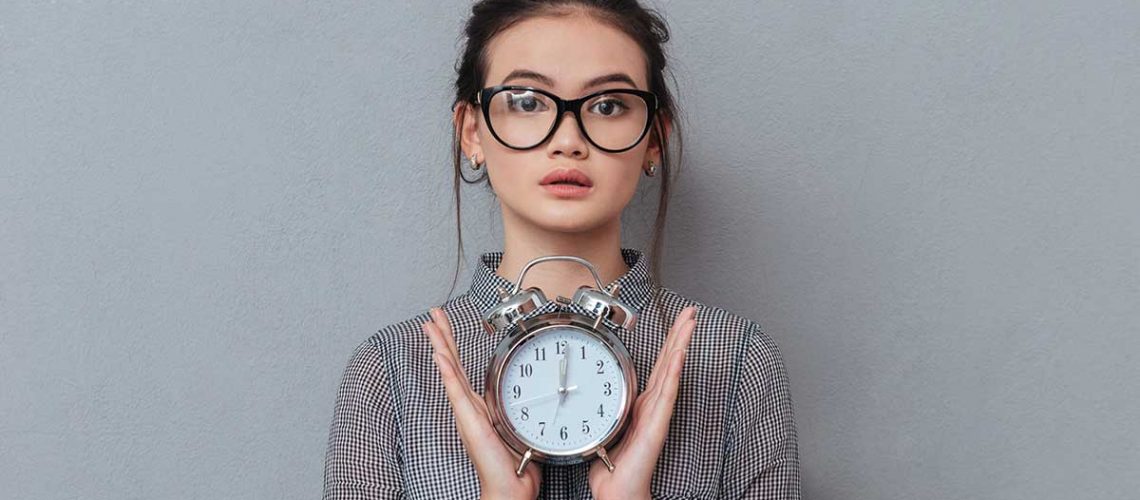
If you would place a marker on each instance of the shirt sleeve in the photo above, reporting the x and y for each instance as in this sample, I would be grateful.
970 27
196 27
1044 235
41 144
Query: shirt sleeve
362 460
761 451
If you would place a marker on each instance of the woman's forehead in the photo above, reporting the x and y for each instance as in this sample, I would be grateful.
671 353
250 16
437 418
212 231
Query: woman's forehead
569 51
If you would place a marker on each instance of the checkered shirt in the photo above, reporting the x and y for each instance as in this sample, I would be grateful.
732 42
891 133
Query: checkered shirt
732 435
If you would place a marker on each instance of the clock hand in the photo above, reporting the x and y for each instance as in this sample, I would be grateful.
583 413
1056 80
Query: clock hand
562 373
536 398
542 397
561 387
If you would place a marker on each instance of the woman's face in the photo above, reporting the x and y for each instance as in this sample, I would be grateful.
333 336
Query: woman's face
561 55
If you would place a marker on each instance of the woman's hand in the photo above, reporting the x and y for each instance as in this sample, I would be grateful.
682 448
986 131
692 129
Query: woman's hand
636 456
494 462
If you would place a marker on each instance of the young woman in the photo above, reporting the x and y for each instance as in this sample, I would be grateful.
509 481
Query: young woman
713 415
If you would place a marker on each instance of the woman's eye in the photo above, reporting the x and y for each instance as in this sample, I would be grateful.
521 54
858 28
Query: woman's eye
526 102
610 107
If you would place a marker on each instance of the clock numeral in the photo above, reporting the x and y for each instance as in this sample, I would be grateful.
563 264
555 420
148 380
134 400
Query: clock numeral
540 351
562 433
585 427
526 370
525 413
600 365
601 412
583 352
560 347
609 389
542 428
516 391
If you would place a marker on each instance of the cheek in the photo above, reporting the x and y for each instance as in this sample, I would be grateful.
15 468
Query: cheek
622 179
510 174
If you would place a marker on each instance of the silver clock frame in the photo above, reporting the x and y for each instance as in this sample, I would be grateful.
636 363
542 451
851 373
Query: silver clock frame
513 306
506 350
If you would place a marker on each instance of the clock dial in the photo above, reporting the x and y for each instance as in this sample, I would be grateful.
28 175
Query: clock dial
562 390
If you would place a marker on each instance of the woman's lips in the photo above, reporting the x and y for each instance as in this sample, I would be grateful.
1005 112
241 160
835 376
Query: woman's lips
567 190
566 176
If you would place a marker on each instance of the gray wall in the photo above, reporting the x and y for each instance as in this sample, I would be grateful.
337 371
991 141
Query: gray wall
932 207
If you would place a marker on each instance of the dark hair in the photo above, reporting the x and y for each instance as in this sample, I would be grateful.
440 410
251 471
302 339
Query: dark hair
645 26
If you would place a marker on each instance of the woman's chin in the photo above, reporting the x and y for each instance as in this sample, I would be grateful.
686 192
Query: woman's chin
567 221
562 216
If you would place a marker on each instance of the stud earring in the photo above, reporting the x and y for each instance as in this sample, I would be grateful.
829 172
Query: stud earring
652 170
475 164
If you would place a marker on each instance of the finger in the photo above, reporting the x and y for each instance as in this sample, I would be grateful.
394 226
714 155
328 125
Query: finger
444 324
439 317
672 376
685 316
663 352
453 386
681 344
682 315
661 411
439 346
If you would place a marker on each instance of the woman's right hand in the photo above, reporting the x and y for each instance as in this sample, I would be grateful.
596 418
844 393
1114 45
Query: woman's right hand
494 462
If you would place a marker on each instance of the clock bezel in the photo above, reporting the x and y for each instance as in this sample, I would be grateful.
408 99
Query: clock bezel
534 327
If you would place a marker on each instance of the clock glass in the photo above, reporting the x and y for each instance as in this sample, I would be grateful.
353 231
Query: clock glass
562 390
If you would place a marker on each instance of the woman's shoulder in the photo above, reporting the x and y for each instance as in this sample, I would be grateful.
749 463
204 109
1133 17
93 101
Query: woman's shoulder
402 333
715 324
723 339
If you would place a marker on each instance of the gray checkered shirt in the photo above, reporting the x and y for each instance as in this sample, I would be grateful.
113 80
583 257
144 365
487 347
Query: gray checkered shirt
393 434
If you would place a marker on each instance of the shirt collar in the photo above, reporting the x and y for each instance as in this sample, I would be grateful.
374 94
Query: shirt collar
635 283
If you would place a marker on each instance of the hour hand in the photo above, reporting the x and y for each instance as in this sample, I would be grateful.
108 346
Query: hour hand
562 374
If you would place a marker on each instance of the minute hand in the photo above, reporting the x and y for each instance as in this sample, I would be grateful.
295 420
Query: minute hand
562 373
542 397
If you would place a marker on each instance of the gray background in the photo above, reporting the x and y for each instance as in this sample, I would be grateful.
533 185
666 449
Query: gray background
932 207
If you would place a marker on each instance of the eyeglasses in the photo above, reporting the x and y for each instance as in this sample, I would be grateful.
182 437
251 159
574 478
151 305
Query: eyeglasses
521 118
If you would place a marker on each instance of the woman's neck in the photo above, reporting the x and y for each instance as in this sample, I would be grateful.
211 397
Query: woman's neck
524 242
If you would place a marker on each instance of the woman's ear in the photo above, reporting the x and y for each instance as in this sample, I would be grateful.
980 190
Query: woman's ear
466 123
662 127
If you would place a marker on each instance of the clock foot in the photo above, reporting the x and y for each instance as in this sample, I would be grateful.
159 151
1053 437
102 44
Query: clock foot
522 465
605 458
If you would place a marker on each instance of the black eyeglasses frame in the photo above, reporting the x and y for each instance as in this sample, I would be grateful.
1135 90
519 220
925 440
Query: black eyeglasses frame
483 99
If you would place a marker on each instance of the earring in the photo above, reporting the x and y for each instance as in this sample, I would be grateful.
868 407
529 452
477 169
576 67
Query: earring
652 170
475 164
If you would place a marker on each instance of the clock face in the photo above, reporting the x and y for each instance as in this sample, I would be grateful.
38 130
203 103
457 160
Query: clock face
562 390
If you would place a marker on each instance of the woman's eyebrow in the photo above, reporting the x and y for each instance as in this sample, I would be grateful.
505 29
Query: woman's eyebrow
610 78
546 80
530 75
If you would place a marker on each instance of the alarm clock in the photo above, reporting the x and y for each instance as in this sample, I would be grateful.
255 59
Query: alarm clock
560 385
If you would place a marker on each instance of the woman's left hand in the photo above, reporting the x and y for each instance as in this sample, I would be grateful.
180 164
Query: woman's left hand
635 457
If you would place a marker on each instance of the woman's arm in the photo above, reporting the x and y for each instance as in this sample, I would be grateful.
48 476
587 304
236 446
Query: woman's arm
761 450
361 461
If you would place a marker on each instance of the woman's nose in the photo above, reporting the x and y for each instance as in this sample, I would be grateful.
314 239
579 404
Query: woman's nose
567 139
